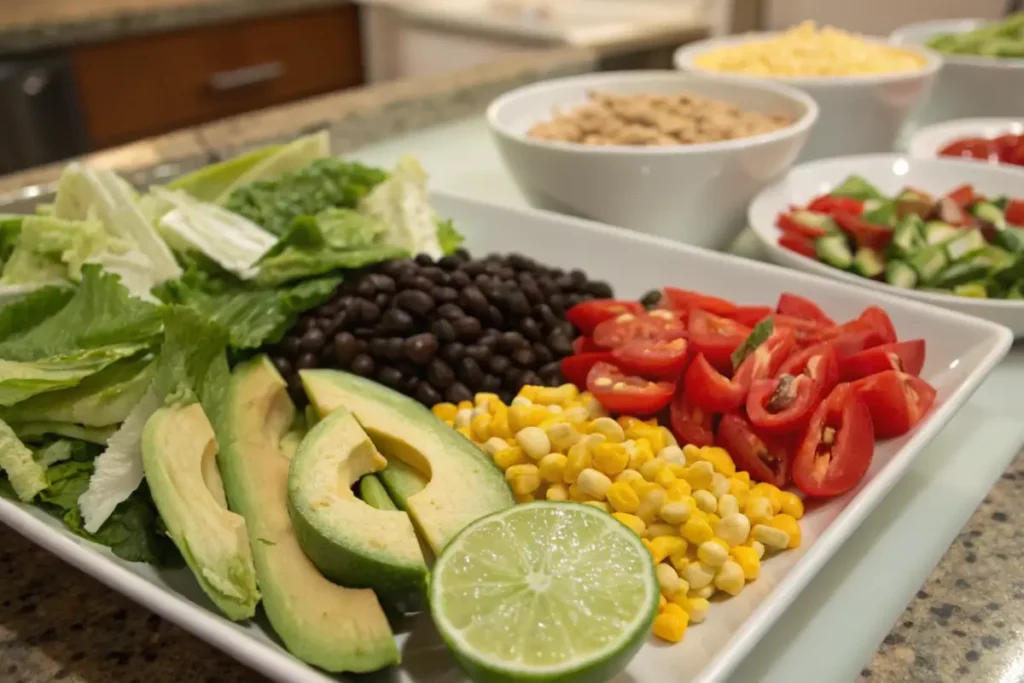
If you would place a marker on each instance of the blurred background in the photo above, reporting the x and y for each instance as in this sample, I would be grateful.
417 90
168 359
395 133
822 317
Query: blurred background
83 75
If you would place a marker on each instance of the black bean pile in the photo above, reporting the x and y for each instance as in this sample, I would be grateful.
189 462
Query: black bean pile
443 330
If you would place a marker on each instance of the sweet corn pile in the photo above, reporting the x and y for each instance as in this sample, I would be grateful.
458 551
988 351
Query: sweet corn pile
706 525
806 51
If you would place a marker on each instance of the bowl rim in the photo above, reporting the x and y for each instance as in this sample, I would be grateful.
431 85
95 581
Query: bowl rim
900 37
819 268
920 147
683 59
610 78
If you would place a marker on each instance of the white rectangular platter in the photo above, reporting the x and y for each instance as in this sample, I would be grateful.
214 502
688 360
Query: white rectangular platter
961 352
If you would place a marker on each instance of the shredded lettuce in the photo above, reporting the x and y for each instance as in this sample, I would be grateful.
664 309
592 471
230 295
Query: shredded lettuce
291 157
27 477
401 202
210 182
40 430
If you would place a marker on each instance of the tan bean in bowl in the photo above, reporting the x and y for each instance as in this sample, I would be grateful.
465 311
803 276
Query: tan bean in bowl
643 119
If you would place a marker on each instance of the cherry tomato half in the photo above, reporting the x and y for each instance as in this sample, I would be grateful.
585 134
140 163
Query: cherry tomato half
764 361
897 401
584 344
684 301
796 306
576 368
963 195
819 362
716 337
907 356
653 326
863 233
766 459
799 244
837 447
626 394
587 315
971 148
657 360
830 205
782 405
804 331
1015 211
691 424
801 223
748 315
709 389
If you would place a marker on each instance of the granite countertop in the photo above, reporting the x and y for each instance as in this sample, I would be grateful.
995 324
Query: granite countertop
56 624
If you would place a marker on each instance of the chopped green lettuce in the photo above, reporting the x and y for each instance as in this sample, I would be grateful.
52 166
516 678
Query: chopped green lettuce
40 430
402 203
32 309
51 249
210 182
53 453
291 157
27 477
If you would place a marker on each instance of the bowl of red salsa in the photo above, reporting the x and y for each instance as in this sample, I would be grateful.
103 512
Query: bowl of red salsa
989 140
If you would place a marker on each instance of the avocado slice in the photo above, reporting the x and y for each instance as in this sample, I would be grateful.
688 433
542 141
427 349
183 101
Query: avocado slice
335 628
464 484
374 494
349 541
402 482
179 458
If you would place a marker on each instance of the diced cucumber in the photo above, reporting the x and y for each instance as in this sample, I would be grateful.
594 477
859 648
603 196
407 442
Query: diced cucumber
965 244
928 262
1015 292
989 213
1001 203
960 273
868 262
856 187
900 274
1014 272
937 232
834 250
883 214
813 219
908 236
1012 239
995 257
910 195
973 290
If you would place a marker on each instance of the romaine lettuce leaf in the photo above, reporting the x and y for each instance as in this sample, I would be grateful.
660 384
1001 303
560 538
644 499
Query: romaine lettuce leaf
30 432
401 202
68 244
210 182
26 476
53 453
32 308
291 157
20 380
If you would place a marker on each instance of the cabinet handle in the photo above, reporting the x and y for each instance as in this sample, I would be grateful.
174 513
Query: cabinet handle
233 79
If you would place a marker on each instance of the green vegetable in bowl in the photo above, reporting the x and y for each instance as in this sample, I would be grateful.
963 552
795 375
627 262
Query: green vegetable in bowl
1000 39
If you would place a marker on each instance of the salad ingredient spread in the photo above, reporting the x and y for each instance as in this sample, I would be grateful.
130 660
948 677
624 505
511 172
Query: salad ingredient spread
806 50
1005 149
655 119
999 39
962 243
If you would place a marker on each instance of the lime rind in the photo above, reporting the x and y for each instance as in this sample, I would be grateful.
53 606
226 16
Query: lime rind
544 591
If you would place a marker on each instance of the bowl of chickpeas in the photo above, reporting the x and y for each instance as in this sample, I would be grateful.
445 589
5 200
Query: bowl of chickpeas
662 152
865 87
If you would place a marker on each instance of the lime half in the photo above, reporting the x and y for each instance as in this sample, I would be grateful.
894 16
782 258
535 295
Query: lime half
543 592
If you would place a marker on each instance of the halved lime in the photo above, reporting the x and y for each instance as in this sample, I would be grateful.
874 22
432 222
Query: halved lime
543 592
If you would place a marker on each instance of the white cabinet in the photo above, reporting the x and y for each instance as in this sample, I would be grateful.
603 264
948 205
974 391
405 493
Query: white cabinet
875 17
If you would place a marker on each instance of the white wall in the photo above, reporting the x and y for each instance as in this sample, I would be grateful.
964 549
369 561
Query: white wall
875 17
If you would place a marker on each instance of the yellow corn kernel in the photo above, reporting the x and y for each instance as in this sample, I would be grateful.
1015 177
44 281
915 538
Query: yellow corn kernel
509 457
557 492
699 475
610 458
623 498
594 483
484 399
520 417
792 505
465 405
499 424
733 529
672 455
577 494
758 548
697 531
748 561
698 575
592 406
679 561
523 478
599 504
786 523
668 579
629 476
670 626
662 602
534 442
578 460
719 485
772 493
549 396
527 392
493 445
608 428
577 416
720 459
713 519
525 498
444 411
639 453
664 478
705 501
666 546
655 529
758 509
727 505
480 426
466 432
651 468
562 436
770 537
696 608
675 512
642 487
730 578
691 453
670 606
743 476
713 553
703 593
650 503
552 468
679 490
632 521
739 488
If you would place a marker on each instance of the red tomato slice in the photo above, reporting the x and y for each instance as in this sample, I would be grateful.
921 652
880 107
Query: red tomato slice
710 389
1015 211
584 344
801 245
587 315
764 361
819 362
837 448
782 405
659 360
716 337
765 459
963 195
576 368
653 326
828 204
748 315
800 223
804 331
627 394
863 233
796 306
897 401
871 328
971 148
684 301
878 320
907 356
691 424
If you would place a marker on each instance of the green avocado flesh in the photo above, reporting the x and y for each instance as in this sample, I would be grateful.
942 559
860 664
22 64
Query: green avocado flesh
464 485
335 628
179 458
351 542
402 482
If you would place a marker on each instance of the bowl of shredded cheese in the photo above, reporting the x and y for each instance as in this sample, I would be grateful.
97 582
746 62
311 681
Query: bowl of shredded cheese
865 87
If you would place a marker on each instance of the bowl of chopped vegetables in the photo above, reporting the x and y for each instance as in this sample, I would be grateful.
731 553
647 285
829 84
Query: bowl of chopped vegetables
983 67
865 87
943 231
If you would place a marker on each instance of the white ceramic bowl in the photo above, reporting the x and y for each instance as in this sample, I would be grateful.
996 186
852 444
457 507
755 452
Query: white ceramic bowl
966 86
859 114
926 142
890 173
691 193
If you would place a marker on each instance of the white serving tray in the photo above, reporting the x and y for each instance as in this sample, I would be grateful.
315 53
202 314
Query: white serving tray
961 351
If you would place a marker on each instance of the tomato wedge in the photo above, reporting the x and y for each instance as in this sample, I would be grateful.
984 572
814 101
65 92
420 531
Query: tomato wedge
896 400
796 306
871 328
837 447
819 362
627 394
748 315
584 344
782 405
829 204
576 368
684 301
766 459
711 390
691 424
863 233
963 195
799 244
803 223
907 356
716 337
1015 211
653 326
658 360
764 361
804 331
589 314
878 320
